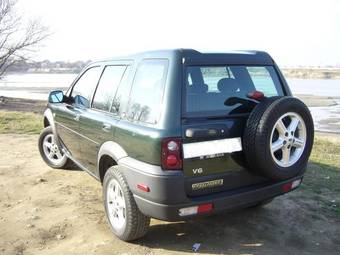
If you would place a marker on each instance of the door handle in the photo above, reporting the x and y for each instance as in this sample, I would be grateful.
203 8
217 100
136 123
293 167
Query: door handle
106 127
77 117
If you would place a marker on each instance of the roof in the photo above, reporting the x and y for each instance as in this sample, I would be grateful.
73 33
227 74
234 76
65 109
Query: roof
194 57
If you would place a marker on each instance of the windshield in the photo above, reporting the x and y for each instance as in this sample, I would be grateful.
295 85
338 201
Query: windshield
207 87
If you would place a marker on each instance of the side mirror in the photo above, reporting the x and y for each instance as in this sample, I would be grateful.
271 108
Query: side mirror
56 96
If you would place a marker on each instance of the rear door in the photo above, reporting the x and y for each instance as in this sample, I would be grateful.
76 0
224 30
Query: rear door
212 132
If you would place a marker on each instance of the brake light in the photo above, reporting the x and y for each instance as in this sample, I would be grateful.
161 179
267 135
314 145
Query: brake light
256 95
171 154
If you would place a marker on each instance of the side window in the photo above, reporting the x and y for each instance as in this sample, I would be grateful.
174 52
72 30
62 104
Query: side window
147 91
122 96
82 91
107 87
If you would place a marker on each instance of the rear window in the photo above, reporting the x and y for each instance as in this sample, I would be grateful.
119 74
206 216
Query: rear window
207 87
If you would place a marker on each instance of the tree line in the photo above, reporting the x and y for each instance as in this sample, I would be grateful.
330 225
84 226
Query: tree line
47 66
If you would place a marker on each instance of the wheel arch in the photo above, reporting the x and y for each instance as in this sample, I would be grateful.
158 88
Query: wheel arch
49 121
109 154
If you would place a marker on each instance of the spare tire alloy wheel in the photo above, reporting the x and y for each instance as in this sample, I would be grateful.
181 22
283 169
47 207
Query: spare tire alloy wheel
288 142
278 138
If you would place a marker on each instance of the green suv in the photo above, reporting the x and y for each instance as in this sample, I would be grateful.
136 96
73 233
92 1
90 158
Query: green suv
179 133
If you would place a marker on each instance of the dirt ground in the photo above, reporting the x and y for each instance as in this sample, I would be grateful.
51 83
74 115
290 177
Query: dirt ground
47 211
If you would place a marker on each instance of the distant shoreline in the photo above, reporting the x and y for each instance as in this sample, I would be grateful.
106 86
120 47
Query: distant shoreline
311 73
297 73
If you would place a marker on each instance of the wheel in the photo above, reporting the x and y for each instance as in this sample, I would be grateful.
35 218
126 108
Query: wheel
50 152
278 138
124 217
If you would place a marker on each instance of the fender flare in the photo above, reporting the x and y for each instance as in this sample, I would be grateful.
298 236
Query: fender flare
112 149
50 118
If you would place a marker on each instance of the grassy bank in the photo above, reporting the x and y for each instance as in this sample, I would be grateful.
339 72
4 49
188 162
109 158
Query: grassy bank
20 122
322 179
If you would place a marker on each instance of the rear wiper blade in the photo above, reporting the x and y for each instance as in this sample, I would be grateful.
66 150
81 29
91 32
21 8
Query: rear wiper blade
229 116
238 100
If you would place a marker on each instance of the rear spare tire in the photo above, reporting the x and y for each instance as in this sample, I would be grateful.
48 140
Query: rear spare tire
278 137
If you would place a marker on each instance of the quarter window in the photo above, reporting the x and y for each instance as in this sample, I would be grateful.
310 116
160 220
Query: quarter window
147 91
83 89
121 99
107 87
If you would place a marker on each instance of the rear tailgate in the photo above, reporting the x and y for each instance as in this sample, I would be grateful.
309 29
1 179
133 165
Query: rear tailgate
207 116
212 156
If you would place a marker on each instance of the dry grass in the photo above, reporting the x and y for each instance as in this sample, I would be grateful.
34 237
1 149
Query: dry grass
20 123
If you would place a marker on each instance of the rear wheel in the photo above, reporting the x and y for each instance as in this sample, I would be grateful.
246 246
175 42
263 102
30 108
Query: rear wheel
124 217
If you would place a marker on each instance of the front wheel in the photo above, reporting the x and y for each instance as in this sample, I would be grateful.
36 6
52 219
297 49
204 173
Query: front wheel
49 150
124 217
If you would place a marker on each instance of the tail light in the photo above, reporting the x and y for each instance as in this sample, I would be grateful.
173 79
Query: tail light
171 154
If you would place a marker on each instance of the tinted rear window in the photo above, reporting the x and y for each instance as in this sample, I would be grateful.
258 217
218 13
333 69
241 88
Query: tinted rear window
207 87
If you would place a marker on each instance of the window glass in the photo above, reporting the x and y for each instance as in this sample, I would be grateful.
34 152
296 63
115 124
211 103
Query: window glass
211 76
147 91
262 80
82 91
122 96
208 87
107 87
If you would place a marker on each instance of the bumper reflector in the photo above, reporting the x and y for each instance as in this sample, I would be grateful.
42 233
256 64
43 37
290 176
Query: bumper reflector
143 187
204 208
291 185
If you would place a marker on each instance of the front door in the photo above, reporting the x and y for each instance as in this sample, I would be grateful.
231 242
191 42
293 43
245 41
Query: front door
67 114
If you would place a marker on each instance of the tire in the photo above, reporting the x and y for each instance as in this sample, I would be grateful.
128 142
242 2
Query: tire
135 224
48 137
273 148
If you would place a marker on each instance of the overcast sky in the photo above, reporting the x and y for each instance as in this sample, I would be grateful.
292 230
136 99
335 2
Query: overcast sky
294 32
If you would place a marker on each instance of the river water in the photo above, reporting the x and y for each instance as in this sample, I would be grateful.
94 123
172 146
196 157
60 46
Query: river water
37 86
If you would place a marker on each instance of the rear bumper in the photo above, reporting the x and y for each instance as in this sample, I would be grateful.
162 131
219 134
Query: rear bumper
223 201
167 194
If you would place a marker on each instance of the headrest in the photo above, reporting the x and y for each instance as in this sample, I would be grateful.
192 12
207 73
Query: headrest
228 85
198 88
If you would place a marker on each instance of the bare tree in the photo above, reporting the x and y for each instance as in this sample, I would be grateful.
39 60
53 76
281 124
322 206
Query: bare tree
18 38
